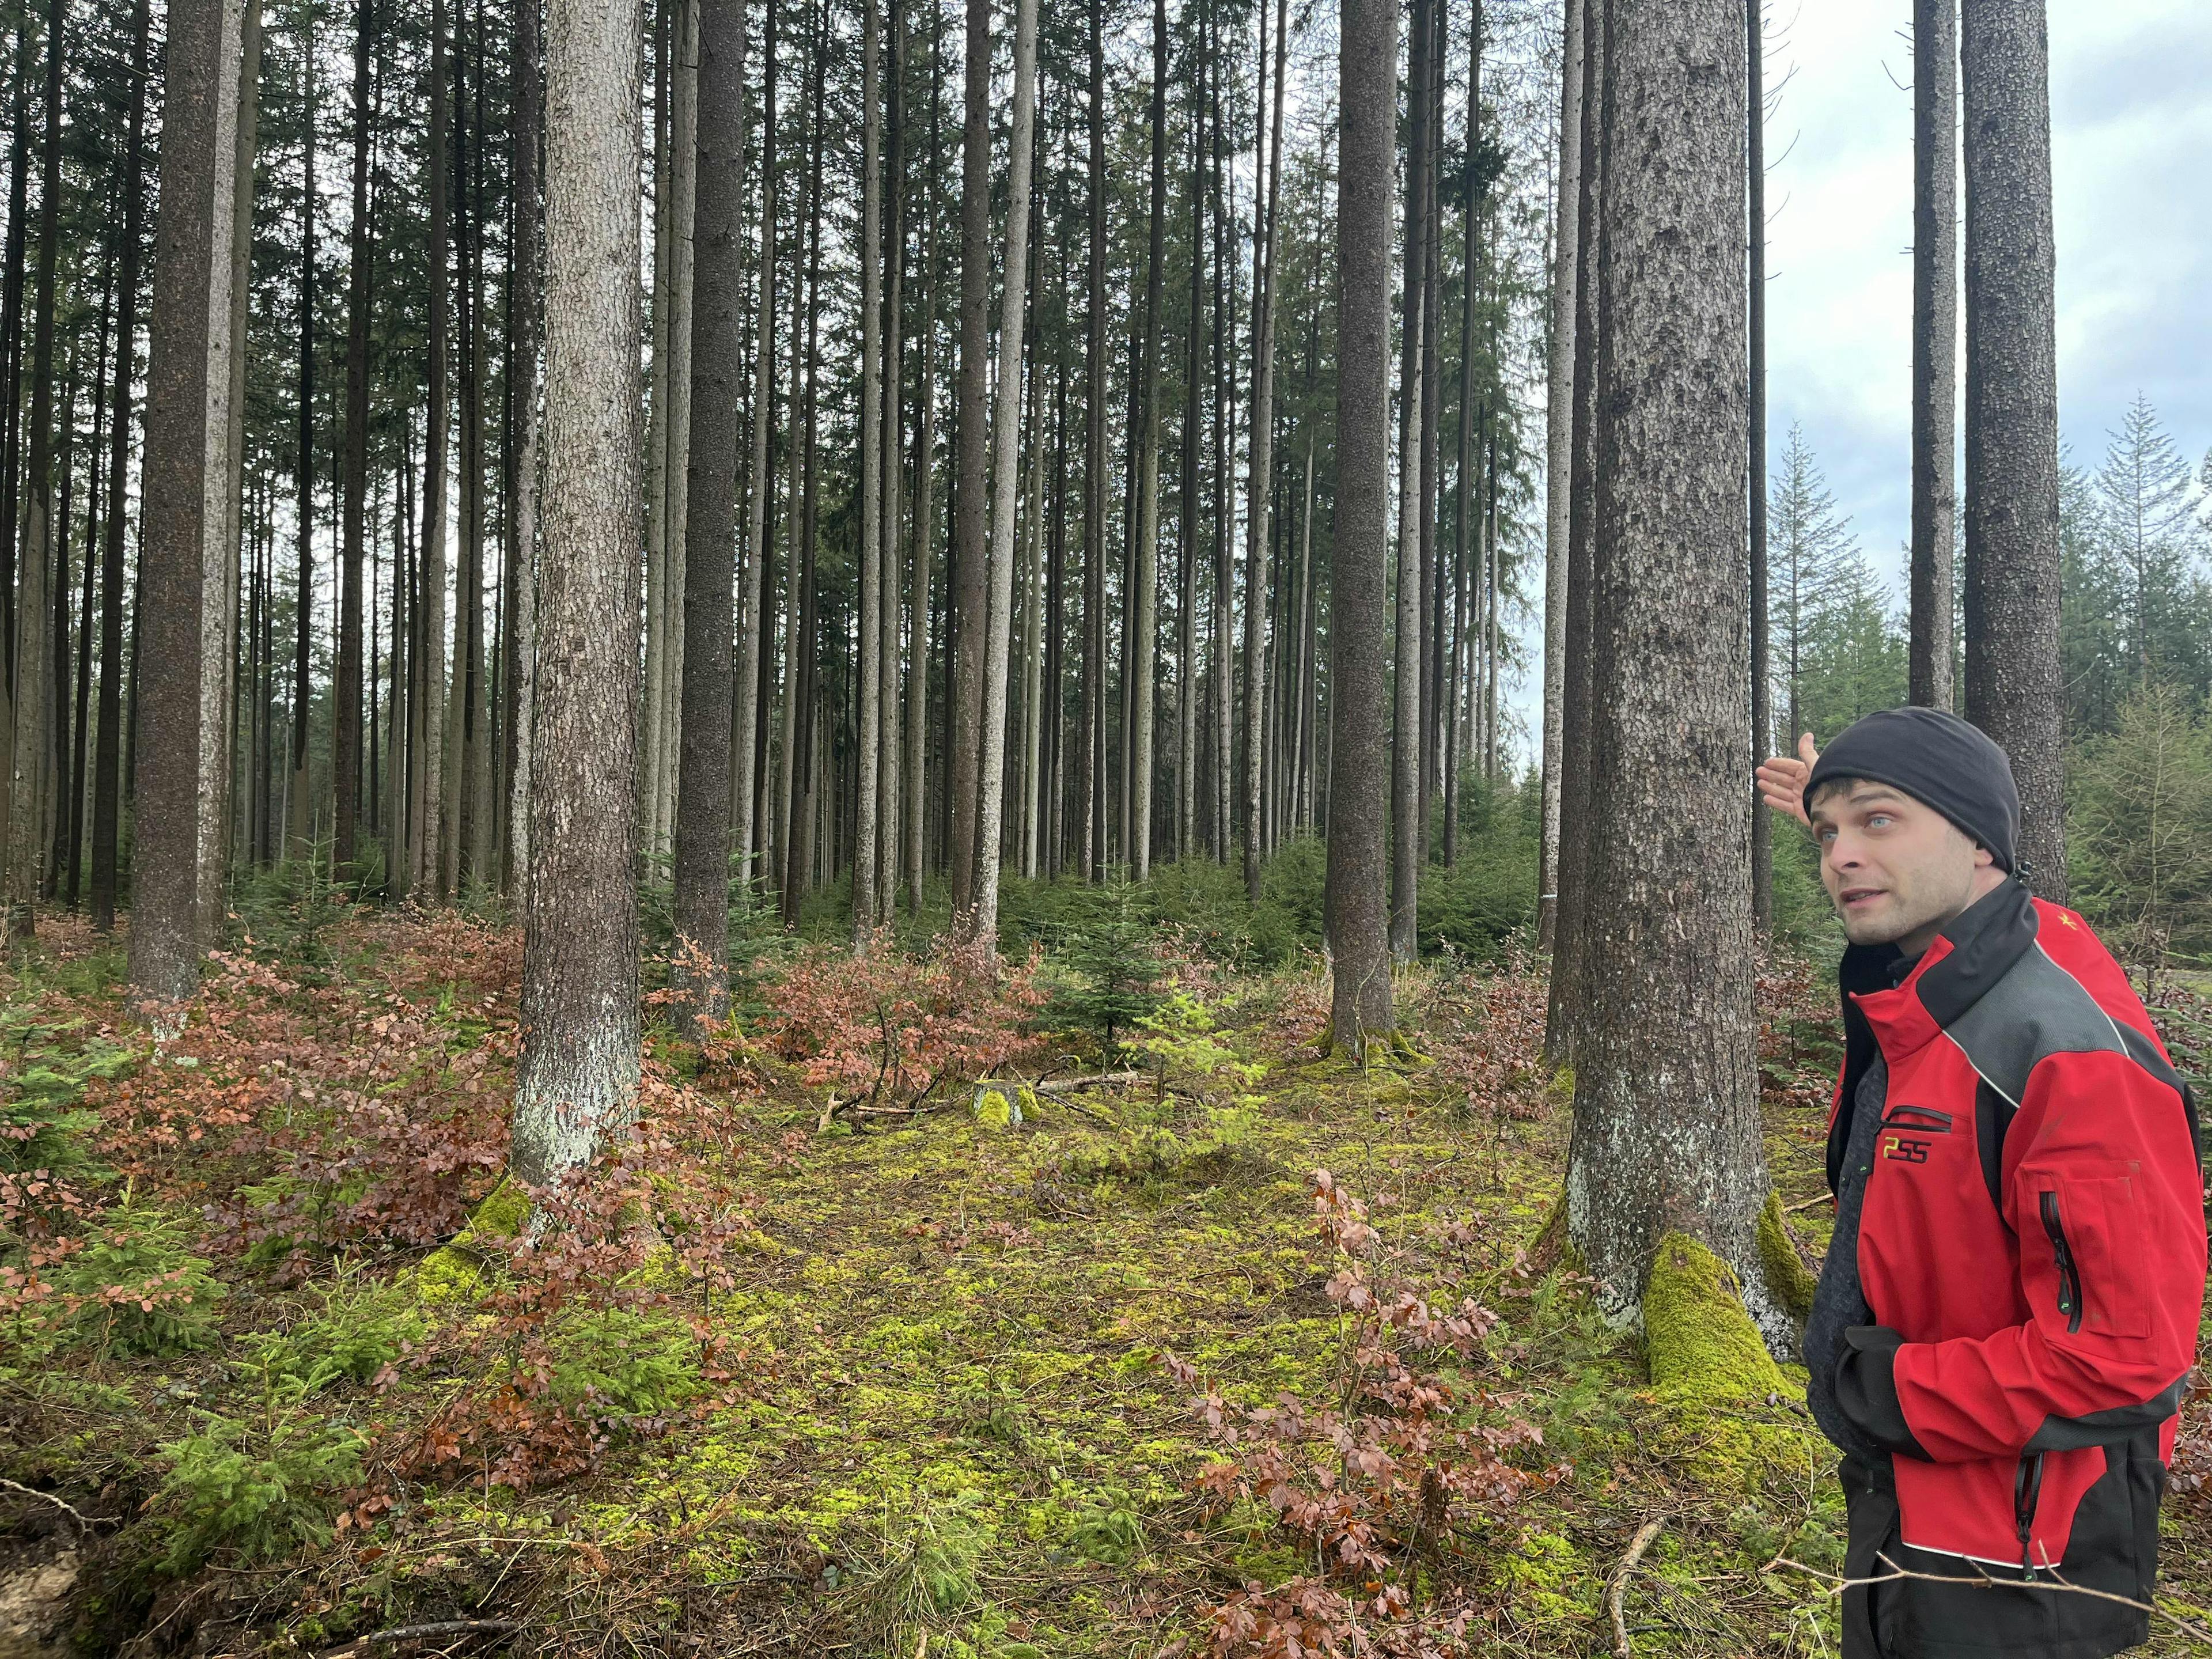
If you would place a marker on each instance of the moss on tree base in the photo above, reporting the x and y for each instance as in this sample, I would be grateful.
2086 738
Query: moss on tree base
451 1271
1727 1403
1787 1275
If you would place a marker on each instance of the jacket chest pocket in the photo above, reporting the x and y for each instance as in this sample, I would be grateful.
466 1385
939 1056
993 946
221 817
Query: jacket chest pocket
2083 1244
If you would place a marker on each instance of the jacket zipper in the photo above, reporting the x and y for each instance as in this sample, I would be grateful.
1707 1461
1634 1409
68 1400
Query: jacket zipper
2026 1491
2069 1276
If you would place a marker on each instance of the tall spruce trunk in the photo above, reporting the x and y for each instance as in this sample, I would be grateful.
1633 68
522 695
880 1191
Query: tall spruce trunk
576 1079
1407 831
1930 648
430 877
1005 481
524 328
1187 691
1576 799
1090 802
924 502
1259 524
346 690
1672 1147
1141 605
969 594
33 711
182 484
1358 868
2013 684
745 801
1558 461
1762 690
868 778
889 457
299 834
699 971
218 600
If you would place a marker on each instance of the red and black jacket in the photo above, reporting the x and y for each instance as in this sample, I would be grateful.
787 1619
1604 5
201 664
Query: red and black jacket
2031 1244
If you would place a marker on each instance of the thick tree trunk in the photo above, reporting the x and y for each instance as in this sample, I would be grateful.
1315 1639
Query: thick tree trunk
183 483
1141 605
1358 627
1934 348
1005 481
30 761
701 968
576 1079
2013 675
1673 1146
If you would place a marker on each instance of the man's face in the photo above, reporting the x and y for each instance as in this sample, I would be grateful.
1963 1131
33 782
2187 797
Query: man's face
1896 870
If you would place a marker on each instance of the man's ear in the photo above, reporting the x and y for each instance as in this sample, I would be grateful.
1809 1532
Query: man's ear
1984 859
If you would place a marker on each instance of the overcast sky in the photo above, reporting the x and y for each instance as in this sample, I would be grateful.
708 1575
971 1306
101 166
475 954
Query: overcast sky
2131 131
2131 140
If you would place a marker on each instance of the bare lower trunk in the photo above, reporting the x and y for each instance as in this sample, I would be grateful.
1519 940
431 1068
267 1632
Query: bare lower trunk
577 1080
1935 347
1558 430
185 485
1005 481
867 798
431 878
969 593
752 584
1406 830
1669 970
2013 671
1358 864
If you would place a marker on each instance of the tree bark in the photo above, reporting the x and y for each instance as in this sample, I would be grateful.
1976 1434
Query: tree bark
183 483
745 824
1091 804
1406 830
1930 647
525 329
1669 965
701 968
1261 481
431 878
1563 1007
1141 605
1762 716
925 500
867 803
1005 481
2013 681
970 589
577 1080
32 711
1360 1006
300 817
346 691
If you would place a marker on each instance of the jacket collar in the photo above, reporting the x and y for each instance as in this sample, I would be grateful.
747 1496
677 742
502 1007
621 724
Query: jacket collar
1972 953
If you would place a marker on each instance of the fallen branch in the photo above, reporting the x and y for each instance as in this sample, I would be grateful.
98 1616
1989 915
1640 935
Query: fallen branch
66 1508
2053 1582
1808 1203
1618 1590
385 1639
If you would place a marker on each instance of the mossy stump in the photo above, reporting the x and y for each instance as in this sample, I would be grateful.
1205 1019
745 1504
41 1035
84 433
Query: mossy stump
1722 1395
450 1271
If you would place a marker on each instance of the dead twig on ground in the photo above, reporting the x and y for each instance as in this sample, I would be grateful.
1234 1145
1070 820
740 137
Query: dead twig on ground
385 1639
1837 1585
1618 1590
66 1508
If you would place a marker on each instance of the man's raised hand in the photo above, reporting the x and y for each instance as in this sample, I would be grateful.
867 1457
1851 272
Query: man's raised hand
1781 780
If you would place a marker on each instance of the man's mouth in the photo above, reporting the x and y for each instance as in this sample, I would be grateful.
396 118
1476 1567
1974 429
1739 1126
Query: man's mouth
1853 896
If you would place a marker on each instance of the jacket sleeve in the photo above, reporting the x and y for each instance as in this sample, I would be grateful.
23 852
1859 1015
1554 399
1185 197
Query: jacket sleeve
2103 1191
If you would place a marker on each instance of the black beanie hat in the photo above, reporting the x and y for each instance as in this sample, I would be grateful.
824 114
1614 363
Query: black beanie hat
1937 759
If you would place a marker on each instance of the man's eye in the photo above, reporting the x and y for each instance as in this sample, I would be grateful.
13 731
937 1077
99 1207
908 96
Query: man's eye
1878 820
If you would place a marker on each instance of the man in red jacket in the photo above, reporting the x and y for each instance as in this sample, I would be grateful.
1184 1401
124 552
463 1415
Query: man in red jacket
2007 1315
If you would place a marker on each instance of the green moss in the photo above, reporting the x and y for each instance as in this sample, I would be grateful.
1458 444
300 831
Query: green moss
1720 1391
504 1213
452 1271
1786 1274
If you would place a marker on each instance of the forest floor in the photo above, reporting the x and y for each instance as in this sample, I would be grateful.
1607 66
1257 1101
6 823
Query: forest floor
846 1354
